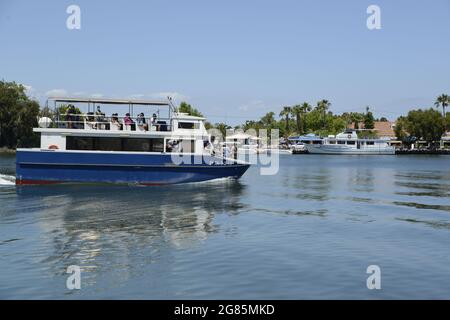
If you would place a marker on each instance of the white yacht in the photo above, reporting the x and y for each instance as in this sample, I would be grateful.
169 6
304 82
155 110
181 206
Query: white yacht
348 142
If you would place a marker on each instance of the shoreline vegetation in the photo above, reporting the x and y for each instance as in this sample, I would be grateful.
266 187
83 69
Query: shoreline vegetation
7 151
19 114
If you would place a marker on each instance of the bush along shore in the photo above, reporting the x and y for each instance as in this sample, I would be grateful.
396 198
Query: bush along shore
4 150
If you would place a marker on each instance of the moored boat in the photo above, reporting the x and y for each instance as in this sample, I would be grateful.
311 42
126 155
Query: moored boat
245 143
95 148
348 143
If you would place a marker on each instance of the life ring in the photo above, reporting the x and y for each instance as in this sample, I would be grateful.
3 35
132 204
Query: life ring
53 147
349 136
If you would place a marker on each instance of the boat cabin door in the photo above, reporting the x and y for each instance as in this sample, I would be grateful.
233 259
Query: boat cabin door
358 144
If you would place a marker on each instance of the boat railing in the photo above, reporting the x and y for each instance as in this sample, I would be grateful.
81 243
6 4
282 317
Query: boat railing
88 121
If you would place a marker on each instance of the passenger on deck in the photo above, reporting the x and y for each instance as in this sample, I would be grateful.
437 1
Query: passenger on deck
115 121
127 121
141 122
90 122
226 153
70 111
100 115
100 118
153 120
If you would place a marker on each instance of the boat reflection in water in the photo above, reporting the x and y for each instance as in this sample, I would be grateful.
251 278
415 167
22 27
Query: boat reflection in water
122 229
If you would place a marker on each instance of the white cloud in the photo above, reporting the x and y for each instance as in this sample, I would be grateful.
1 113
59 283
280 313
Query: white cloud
56 93
31 92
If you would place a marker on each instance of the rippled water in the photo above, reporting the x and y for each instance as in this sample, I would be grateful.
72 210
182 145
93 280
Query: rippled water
308 232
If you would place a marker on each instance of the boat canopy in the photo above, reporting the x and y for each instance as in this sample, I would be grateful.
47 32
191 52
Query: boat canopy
111 101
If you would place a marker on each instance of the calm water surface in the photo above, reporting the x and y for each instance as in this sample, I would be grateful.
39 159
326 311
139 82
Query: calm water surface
308 232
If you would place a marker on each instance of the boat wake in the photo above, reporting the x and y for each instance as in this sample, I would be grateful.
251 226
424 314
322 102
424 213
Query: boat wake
7 180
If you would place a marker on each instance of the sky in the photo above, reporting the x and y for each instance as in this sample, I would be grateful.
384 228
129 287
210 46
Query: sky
232 60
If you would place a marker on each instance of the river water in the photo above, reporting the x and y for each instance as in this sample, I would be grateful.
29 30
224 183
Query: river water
308 232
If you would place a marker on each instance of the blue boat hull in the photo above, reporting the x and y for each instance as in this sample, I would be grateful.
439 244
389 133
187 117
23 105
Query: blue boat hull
48 167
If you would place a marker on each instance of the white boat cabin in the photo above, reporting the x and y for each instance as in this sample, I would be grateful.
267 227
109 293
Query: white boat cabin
129 132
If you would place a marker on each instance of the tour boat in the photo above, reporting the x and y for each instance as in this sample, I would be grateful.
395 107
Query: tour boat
100 148
348 142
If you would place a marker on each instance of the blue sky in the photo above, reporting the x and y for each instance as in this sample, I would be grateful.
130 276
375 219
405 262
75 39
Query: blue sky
233 60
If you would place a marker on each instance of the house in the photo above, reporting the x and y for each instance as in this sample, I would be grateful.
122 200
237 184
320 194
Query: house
384 129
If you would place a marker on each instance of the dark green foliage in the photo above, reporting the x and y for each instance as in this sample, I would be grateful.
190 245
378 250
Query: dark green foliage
18 116
187 108
427 125
369 121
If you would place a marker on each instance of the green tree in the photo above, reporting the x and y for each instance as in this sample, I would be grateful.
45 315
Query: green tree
323 106
356 118
337 125
222 127
187 108
208 125
313 121
369 120
400 128
251 124
298 111
285 113
268 120
18 116
60 112
442 101
425 124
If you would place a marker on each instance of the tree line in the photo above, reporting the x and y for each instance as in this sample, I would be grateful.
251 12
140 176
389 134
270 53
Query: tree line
19 114
18 117
419 124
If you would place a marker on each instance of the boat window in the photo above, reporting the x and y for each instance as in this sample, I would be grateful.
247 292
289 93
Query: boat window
351 142
370 143
143 145
332 142
79 143
114 144
108 144
341 142
188 125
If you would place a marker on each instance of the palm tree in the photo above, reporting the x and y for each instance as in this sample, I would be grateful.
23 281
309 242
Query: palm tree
442 101
356 118
323 106
285 113
298 111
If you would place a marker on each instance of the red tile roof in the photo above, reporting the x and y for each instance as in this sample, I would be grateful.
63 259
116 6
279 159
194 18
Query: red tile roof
382 128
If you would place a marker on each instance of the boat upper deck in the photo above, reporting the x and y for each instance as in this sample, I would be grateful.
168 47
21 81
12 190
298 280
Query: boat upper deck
67 118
